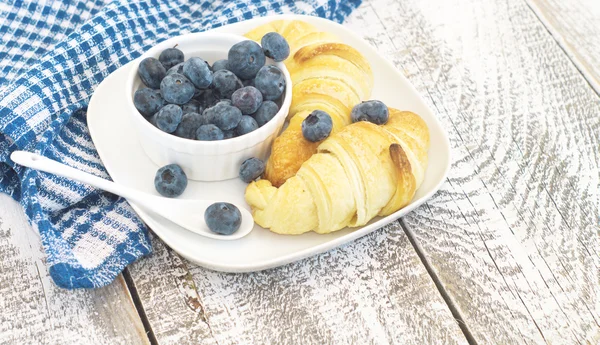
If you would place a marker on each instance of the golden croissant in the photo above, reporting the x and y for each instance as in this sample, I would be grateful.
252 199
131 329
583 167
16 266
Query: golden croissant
362 171
326 75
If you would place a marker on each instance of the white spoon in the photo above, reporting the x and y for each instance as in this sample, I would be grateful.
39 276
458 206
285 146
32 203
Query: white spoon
188 214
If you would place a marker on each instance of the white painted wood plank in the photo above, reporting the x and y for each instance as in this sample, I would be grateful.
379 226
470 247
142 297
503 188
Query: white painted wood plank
372 291
513 235
574 25
34 311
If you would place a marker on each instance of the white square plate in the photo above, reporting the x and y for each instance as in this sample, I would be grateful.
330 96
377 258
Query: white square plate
127 163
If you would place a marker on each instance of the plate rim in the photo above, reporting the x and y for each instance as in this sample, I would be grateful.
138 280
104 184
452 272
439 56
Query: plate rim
321 247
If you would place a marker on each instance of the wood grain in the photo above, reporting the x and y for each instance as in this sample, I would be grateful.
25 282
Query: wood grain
372 291
574 25
34 311
513 234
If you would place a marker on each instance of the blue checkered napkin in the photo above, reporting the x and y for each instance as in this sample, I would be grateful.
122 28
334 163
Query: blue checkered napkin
52 56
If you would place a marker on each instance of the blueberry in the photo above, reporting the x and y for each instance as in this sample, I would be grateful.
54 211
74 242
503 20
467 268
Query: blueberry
209 133
245 59
270 82
192 106
198 72
247 99
207 98
265 112
275 46
224 116
148 101
176 89
223 218
317 126
247 124
189 124
168 118
373 111
171 57
251 169
225 83
170 181
176 69
151 72
219 65
229 134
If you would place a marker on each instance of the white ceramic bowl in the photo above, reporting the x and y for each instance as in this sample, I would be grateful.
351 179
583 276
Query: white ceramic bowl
205 160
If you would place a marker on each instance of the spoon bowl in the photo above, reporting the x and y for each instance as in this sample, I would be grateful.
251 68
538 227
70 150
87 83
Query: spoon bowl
188 214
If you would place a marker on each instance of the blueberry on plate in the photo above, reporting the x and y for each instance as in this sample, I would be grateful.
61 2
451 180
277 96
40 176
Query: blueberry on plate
373 111
266 111
247 124
270 82
275 46
223 218
225 83
251 169
189 124
168 118
317 126
198 72
171 57
209 133
224 116
219 65
170 181
176 69
245 59
148 101
176 89
192 106
151 72
247 99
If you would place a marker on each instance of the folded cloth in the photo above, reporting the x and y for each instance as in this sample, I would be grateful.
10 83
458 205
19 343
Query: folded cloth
52 57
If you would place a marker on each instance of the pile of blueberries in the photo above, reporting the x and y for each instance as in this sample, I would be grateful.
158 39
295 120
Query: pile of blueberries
193 100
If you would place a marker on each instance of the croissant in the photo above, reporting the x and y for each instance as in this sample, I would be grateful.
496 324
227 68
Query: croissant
326 75
362 171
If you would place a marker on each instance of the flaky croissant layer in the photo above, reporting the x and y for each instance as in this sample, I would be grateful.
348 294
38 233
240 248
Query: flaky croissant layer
362 171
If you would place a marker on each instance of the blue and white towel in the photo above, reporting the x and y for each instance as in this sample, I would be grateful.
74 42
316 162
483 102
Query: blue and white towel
53 54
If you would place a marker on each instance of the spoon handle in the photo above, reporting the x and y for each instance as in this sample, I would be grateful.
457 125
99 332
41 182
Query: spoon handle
35 161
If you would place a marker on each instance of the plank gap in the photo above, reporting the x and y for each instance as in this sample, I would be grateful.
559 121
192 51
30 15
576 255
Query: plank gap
137 302
438 284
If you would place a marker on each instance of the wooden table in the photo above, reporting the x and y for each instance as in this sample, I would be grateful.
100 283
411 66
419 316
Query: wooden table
506 252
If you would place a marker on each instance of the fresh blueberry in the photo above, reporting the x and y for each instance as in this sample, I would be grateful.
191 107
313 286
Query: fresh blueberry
152 72
207 98
245 59
169 117
198 72
265 112
225 83
219 65
229 134
275 46
176 89
171 57
209 133
192 106
170 181
251 169
190 123
247 99
148 101
317 126
176 69
270 82
373 111
224 116
247 124
223 218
